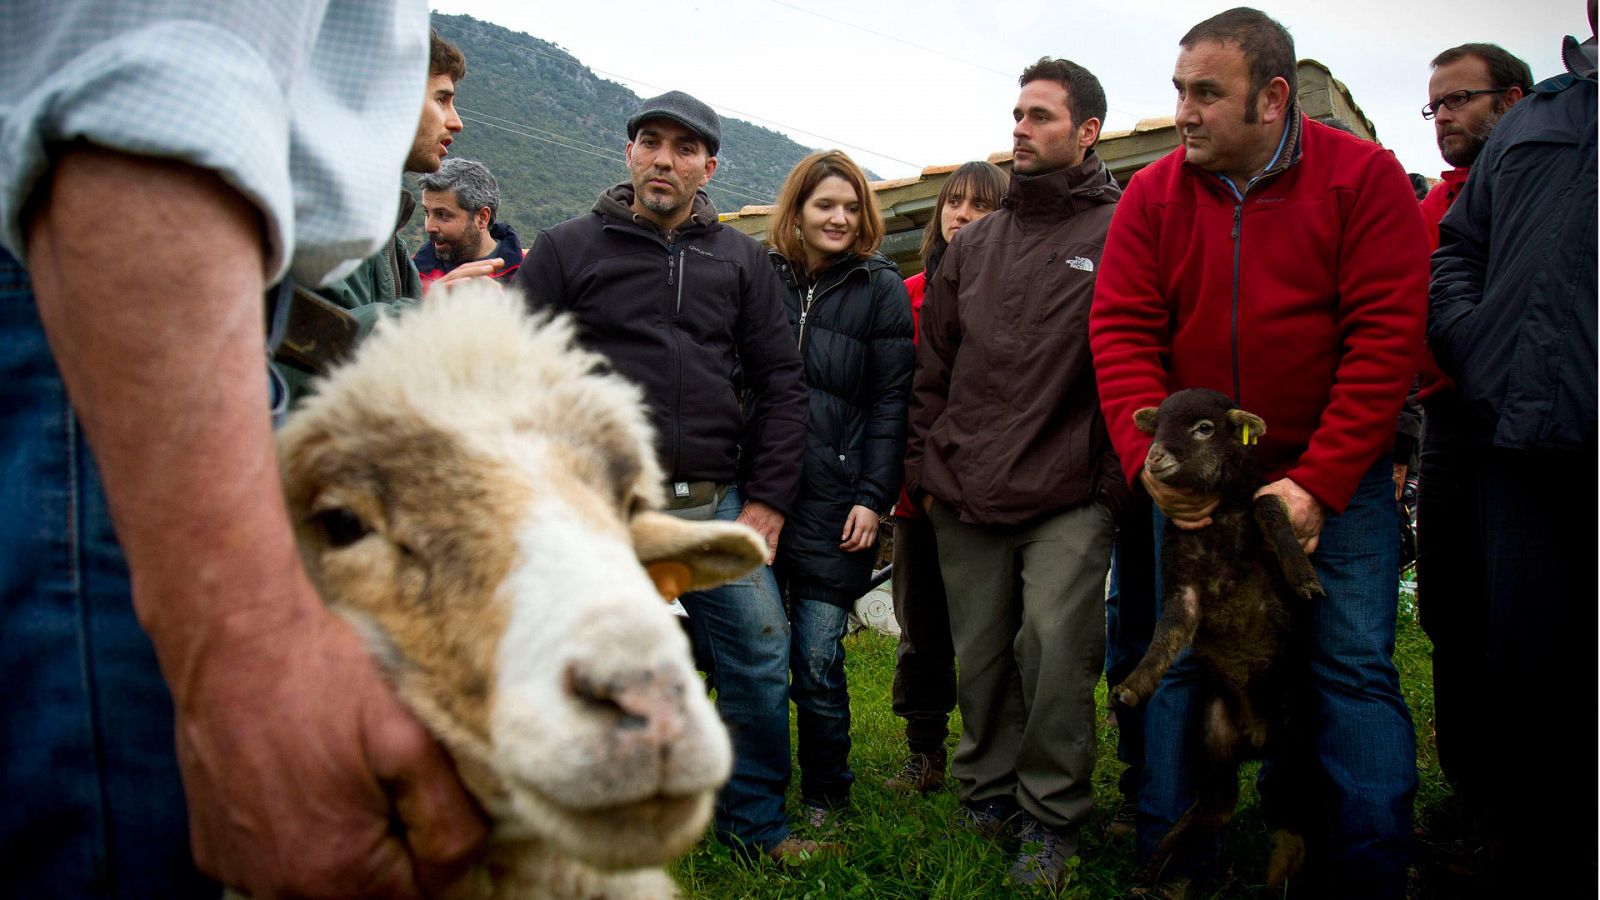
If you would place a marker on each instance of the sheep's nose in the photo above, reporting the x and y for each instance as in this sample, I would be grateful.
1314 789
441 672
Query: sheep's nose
1159 462
644 705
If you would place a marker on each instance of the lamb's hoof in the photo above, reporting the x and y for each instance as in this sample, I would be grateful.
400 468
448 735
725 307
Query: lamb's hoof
1311 589
1288 855
1122 695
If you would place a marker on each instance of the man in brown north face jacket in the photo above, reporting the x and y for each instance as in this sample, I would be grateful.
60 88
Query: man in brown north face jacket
1010 456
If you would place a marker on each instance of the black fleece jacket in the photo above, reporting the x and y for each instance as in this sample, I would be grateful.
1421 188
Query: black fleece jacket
679 314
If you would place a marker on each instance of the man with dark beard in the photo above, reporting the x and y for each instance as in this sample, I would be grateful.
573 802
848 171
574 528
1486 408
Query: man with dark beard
386 280
1471 87
464 240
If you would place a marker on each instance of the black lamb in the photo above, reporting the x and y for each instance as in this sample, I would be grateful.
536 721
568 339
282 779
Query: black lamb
1236 592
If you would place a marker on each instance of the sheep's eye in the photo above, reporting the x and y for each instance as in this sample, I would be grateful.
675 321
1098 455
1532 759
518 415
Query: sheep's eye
341 526
1202 429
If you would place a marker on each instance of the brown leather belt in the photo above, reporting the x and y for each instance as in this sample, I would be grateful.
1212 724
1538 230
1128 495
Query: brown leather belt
308 332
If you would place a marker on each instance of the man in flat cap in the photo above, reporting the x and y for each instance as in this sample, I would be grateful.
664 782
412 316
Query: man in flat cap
679 303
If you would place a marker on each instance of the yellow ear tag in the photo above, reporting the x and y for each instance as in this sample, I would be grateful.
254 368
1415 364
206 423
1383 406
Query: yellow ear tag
1246 438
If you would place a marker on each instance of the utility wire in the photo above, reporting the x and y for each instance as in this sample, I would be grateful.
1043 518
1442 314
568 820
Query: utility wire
609 151
726 109
900 40
891 37
609 156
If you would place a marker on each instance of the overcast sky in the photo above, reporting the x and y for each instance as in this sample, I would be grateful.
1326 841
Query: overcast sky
902 85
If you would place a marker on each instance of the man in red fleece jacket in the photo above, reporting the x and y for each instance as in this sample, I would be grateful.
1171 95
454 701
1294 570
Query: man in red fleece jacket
1282 262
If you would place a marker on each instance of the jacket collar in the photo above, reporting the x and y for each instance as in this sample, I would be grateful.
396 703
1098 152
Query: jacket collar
507 247
1290 149
617 203
1062 193
837 270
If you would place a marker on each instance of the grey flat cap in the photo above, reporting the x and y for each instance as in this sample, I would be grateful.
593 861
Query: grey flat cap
686 111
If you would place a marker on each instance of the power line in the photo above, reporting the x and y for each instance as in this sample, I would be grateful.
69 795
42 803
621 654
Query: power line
517 131
609 151
890 37
726 109
900 40
609 156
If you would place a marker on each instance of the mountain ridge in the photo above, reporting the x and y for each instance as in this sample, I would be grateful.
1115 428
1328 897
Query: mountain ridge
552 132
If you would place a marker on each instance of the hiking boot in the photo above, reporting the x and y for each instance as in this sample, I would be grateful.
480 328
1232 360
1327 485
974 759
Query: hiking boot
1124 820
988 819
1042 858
792 851
922 773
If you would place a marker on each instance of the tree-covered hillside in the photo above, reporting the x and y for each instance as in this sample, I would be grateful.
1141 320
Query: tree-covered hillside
552 131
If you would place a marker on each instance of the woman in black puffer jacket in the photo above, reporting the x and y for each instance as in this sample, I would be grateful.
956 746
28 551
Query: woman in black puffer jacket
852 319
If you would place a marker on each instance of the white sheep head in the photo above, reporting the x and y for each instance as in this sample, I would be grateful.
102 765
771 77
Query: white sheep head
477 496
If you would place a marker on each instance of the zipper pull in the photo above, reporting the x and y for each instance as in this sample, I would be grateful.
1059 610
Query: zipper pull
681 268
1237 212
1051 258
672 240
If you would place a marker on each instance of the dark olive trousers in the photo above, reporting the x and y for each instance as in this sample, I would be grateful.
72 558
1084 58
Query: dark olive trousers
1027 615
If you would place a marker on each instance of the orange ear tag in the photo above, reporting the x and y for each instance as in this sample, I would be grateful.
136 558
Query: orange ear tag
671 578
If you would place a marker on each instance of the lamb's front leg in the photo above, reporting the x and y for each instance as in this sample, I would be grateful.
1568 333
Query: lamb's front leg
1272 515
1179 618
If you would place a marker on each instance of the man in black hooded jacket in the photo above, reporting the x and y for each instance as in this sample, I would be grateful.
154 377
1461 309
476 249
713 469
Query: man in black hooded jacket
678 303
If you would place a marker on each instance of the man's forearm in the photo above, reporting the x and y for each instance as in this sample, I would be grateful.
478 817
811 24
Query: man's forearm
149 279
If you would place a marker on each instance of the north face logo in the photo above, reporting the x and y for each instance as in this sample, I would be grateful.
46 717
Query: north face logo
1081 263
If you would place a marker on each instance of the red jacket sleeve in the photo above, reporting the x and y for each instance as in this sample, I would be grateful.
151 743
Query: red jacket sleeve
938 336
1382 308
1128 327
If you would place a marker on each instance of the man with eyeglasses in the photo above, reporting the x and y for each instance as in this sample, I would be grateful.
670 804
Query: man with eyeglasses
1471 87
1512 319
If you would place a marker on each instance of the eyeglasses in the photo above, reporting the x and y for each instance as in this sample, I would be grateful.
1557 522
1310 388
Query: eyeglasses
1456 100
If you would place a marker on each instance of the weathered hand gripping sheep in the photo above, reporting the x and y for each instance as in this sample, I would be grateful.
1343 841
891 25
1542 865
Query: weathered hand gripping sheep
476 497
1236 592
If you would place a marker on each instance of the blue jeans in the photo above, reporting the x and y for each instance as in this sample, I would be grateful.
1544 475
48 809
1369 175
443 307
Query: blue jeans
741 639
1365 745
821 700
93 802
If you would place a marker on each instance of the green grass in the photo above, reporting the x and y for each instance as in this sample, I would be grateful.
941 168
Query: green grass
914 847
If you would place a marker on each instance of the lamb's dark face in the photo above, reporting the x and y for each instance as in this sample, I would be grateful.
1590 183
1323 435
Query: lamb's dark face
1198 434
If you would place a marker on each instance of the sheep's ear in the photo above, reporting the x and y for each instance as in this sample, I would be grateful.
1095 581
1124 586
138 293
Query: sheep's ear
691 556
1248 424
1145 420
